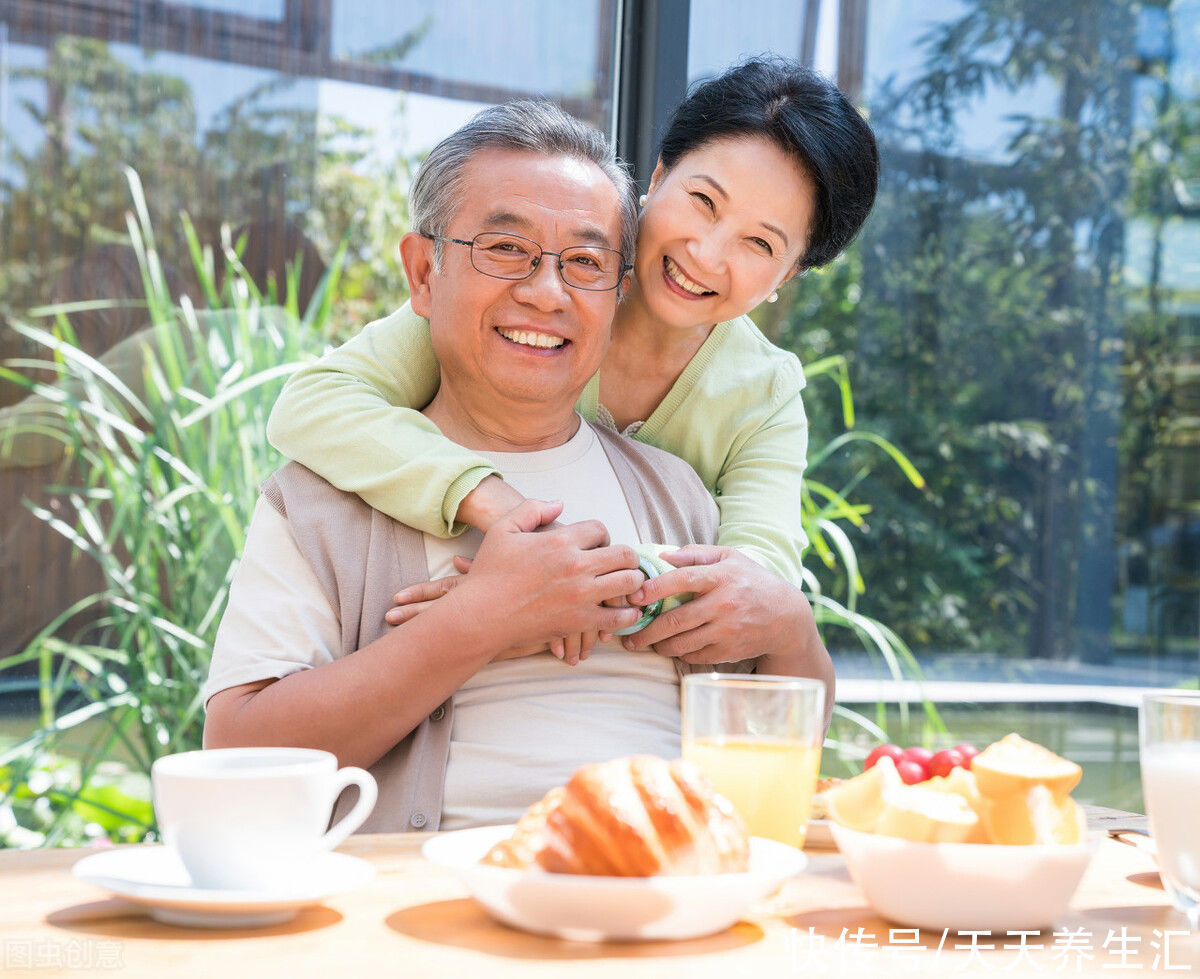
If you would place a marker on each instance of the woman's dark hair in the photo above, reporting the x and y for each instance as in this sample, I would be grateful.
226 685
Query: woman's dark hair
806 116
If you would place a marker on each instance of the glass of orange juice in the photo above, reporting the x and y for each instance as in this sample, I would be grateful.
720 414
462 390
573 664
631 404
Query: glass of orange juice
758 738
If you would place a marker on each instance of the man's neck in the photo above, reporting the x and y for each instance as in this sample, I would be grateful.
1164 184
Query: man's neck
501 428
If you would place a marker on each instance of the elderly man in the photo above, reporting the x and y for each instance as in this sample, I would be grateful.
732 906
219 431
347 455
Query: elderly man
458 717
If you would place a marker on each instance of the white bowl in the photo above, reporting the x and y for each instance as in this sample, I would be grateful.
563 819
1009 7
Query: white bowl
964 886
611 908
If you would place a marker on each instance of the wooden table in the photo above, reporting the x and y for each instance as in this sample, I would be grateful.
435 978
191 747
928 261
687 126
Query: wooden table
415 919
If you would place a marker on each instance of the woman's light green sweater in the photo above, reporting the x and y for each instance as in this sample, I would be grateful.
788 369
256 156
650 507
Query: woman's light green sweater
735 415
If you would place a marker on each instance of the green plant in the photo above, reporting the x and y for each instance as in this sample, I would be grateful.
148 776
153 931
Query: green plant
837 590
167 468
1018 325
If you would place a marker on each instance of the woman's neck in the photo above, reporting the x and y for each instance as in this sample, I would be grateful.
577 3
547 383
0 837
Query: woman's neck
638 335
644 360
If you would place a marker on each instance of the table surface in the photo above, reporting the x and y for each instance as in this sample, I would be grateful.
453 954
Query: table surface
416 919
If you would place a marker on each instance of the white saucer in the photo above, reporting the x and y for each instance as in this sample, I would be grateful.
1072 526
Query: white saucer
155 877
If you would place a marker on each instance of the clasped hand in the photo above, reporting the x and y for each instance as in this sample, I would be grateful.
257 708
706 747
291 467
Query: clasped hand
544 586
739 610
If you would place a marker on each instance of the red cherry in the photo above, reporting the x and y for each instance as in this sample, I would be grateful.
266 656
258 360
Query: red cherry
910 772
921 756
892 751
945 761
968 752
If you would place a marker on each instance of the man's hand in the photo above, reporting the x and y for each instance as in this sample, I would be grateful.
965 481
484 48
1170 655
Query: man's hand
534 587
572 649
415 599
412 601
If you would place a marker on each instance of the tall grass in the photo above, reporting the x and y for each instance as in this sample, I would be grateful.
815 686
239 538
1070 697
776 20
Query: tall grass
168 462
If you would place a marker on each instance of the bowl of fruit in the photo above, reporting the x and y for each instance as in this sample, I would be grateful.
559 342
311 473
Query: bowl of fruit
992 842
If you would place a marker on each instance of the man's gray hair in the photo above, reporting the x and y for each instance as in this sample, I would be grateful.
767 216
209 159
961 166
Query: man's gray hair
532 125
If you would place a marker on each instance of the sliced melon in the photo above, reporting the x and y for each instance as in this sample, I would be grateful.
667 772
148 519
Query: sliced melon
1014 766
858 801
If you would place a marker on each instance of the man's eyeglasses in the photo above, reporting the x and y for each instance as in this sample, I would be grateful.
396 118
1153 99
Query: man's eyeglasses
505 256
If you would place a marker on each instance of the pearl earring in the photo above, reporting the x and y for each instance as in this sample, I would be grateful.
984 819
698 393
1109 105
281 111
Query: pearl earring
773 298
642 201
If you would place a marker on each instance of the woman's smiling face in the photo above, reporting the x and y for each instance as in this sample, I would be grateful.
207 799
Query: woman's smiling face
721 230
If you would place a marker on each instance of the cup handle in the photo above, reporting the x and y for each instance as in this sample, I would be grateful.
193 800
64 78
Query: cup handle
368 792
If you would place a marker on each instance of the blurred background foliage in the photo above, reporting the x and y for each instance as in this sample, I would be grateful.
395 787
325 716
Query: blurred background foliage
992 333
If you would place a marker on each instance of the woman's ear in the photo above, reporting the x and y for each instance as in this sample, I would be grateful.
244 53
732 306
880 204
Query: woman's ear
796 271
657 175
416 252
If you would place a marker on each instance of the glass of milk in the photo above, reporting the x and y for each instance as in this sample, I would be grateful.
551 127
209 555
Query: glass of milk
1170 753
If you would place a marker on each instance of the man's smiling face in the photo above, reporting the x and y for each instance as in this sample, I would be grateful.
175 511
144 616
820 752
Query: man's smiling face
534 340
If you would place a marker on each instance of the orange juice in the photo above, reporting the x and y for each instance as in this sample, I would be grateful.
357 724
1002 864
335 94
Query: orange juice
770 783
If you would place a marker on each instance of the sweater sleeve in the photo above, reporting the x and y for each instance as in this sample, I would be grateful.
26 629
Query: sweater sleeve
759 491
351 418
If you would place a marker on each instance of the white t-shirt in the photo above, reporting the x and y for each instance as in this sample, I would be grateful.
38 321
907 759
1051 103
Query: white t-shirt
520 726
278 620
523 726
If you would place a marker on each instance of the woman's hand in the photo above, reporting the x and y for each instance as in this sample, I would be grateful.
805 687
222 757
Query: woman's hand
415 599
740 610
572 650
492 499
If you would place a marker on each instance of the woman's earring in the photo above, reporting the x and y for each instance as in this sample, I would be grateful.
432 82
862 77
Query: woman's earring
642 201
773 298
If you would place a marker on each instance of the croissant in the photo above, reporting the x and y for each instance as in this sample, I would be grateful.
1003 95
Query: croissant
520 849
633 817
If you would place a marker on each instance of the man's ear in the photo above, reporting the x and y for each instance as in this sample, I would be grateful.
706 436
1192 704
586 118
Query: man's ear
623 285
416 252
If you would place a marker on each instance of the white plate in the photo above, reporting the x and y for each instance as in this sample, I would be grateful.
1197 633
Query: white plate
611 908
155 877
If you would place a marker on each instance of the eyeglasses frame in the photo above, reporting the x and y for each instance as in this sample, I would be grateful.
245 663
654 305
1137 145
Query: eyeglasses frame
625 267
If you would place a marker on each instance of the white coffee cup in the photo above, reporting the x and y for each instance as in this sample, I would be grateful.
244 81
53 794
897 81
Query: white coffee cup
251 818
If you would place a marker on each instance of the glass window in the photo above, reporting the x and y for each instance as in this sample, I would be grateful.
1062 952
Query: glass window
1021 318
269 9
269 111
293 125
556 50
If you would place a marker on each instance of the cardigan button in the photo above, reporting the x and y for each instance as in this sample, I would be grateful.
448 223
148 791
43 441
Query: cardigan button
438 714
418 820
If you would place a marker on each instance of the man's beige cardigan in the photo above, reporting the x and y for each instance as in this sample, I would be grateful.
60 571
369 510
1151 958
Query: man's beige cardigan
362 558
